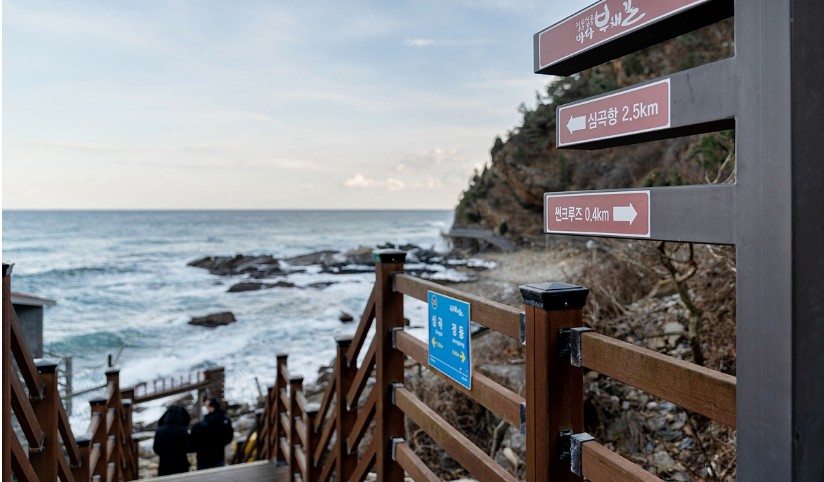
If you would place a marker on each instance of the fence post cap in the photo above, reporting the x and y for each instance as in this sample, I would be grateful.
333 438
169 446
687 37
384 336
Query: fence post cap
7 269
126 402
46 365
343 340
282 356
83 440
98 401
554 295
389 256
112 372
295 379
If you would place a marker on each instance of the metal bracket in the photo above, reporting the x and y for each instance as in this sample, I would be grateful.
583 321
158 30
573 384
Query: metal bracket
394 441
523 329
392 388
42 447
523 418
565 444
576 453
393 332
569 344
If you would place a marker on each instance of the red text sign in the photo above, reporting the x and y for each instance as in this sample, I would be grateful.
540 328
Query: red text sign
600 23
598 214
632 111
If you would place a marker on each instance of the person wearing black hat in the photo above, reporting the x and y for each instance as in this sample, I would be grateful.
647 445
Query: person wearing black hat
211 434
172 441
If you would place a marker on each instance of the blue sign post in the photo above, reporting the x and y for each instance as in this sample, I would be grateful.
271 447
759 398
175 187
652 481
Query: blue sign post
450 349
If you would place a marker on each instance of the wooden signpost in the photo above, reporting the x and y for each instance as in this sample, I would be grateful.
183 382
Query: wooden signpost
771 93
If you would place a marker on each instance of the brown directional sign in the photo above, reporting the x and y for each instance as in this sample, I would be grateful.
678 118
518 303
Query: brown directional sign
699 214
598 214
658 109
611 28
632 111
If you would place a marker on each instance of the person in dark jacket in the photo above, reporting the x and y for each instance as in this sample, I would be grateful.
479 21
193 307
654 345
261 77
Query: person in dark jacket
211 434
172 441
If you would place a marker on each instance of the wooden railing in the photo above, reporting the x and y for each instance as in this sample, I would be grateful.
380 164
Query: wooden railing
319 441
30 394
211 380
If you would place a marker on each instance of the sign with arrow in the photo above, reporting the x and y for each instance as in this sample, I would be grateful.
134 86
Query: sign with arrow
449 339
632 111
624 214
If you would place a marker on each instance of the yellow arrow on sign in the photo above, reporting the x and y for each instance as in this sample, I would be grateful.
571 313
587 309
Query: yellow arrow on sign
433 341
463 357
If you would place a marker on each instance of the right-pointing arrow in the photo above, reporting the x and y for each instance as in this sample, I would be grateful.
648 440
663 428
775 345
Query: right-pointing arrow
624 213
577 123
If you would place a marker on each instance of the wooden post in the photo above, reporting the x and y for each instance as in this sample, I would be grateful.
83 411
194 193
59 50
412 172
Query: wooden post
217 379
295 386
100 437
8 372
554 388
83 472
113 378
130 472
345 416
276 409
265 425
46 410
312 436
389 420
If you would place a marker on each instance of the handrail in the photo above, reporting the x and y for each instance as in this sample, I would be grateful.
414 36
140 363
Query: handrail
54 452
456 444
365 462
497 316
362 376
324 441
693 387
363 327
600 464
413 465
485 391
365 417
328 395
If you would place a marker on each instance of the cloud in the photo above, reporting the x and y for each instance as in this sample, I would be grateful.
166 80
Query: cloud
359 181
418 42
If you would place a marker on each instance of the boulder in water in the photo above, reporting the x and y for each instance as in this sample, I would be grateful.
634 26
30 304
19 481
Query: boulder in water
345 317
214 319
248 286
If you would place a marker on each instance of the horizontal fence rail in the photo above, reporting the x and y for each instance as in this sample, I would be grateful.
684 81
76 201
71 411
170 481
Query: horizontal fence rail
693 387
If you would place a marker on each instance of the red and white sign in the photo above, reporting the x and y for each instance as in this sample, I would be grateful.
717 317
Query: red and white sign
598 214
600 23
642 109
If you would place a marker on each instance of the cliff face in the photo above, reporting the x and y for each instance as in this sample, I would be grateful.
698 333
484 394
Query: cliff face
507 196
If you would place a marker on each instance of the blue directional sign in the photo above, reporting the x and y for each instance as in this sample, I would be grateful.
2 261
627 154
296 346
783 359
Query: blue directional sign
449 341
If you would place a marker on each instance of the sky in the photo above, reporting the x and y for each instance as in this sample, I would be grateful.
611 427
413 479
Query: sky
246 104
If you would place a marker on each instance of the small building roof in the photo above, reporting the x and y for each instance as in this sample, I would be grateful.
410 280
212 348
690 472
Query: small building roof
30 300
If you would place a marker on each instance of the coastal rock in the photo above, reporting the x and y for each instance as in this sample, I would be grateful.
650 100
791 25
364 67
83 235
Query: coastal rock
250 286
345 317
214 319
258 266
320 284
318 257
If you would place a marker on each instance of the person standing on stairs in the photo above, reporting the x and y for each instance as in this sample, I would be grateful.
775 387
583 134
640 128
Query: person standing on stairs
172 441
211 434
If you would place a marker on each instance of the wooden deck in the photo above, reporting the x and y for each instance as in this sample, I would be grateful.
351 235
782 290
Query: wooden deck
250 472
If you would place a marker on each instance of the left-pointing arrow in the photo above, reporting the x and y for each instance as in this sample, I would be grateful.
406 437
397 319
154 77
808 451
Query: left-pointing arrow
624 213
577 123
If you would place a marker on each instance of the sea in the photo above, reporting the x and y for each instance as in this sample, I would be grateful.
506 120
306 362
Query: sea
123 288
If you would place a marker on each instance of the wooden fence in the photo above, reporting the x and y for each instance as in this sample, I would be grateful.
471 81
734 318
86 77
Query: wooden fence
30 394
319 441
